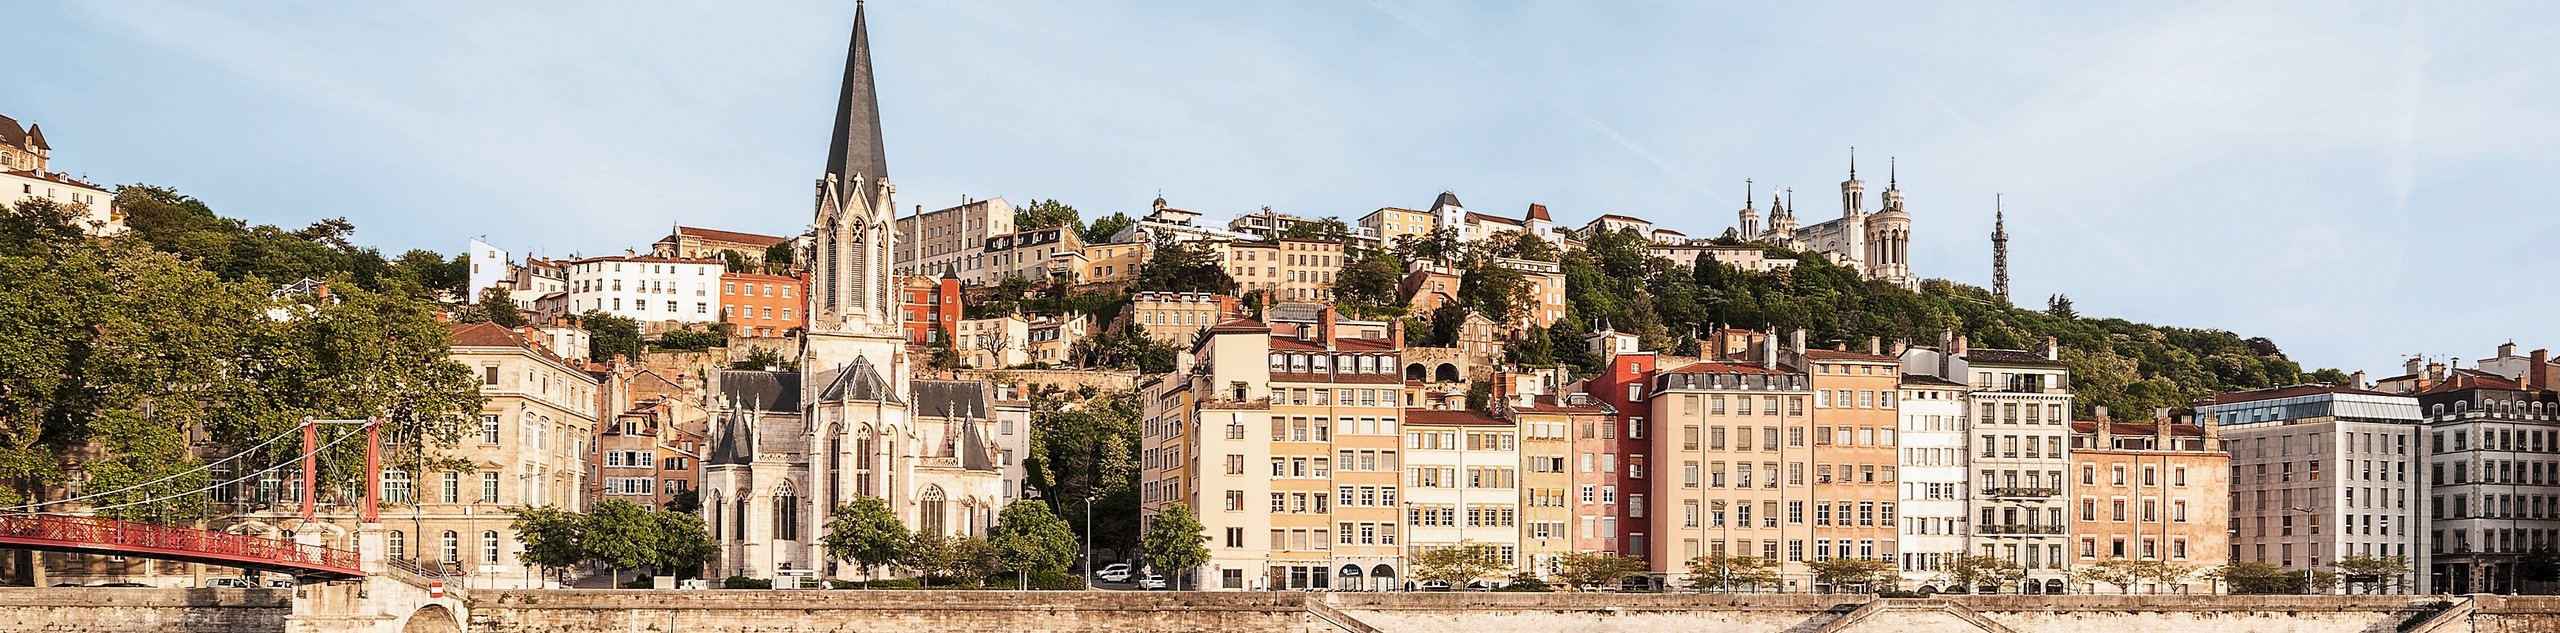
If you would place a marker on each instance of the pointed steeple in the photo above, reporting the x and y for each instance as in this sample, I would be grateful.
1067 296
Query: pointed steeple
1999 248
1853 162
856 148
1892 174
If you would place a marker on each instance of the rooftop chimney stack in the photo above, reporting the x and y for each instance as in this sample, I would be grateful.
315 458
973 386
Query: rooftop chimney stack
1795 341
1875 345
2052 349
1330 337
2410 367
2106 429
1769 352
2356 380
2538 374
1960 345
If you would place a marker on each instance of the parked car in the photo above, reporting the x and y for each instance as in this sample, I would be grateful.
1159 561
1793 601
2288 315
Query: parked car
231 583
1115 572
1152 581
1432 585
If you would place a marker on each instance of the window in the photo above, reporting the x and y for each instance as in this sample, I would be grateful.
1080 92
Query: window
452 547
489 547
489 424
489 487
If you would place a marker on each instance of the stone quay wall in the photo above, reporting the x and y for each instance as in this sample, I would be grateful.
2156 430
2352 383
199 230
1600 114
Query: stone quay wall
142 609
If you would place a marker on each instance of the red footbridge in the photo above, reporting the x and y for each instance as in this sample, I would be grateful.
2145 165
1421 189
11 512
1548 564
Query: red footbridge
111 537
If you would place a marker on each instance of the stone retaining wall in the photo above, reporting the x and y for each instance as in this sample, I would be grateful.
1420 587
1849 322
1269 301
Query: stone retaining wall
121 609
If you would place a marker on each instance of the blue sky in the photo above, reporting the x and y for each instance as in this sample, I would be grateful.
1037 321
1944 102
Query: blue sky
2345 178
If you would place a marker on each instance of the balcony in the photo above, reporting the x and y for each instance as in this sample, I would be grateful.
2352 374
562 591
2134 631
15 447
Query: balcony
2020 529
2019 492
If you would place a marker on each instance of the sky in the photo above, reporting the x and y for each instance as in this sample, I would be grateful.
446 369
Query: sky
2357 181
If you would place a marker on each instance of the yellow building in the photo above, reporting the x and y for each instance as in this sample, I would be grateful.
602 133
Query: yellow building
2153 491
1389 223
1112 263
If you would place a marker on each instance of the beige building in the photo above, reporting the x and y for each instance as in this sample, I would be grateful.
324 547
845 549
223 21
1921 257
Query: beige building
1307 268
1545 411
2152 491
1546 291
1744 257
995 342
1389 223
1036 255
953 239
1052 340
1732 428
1175 318
1284 439
1113 263
529 448
687 242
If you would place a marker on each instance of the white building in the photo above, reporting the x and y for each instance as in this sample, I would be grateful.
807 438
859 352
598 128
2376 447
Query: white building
488 267
1462 483
2018 407
26 174
646 289
1935 525
2321 472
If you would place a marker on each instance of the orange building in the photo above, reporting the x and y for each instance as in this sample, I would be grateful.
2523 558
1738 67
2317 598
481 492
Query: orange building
761 305
932 307
2150 491
1853 453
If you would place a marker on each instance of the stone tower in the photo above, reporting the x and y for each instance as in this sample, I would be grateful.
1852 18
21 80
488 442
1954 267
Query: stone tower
1889 235
1999 249
1749 227
1853 219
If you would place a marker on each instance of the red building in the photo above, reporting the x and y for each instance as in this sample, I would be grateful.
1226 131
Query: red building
932 307
1611 454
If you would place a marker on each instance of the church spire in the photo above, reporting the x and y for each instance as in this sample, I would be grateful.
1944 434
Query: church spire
1999 249
1853 162
856 148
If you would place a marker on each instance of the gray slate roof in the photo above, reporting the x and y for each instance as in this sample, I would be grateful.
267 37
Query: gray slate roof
761 390
861 381
950 399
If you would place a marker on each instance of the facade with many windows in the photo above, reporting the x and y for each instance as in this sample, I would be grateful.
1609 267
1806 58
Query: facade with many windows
2149 491
2319 473
647 289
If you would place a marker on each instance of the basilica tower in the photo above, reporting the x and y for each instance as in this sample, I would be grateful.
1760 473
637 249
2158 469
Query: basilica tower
1853 219
1749 226
1889 235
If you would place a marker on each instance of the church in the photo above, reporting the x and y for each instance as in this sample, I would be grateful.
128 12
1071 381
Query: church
1877 244
788 447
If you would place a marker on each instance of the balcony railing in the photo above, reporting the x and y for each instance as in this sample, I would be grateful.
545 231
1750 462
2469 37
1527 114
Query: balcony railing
2021 529
2023 491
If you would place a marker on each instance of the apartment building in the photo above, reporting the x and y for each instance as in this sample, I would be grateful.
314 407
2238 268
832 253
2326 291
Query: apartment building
528 448
1729 423
1164 223
647 289
1035 254
1611 453
1546 291
26 173
1462 483
932 308
1175 318
2307 461
2021 404
1266 224
1305 270
1053 339
953 239
1854 453
1935 528
2492 482
2152 491
761 305
644 456
1114 263
1545 410
1285 438
1389 223
995 342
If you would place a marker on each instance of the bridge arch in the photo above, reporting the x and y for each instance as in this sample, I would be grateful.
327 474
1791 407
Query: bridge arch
433 618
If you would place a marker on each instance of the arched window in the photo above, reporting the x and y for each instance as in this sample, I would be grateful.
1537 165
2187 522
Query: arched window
719 508
452 547
862 461
745 504
931 511
786 515
489 547
399 544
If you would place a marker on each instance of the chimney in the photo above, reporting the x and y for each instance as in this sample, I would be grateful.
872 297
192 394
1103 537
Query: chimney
2435 372
1501 394
1795 341
1395 334
1330 335
2507 349
2164 432
1875 345
2052 349
1769 352
2410 367
2538 375
1960 345
1899 345
2356 380
2106 429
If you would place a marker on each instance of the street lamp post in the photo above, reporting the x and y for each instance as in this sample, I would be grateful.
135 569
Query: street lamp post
2306 562
1088 542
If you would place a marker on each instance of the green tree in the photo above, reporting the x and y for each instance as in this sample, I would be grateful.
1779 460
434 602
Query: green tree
1498 292
1727 572
1041 214
2249 577
496 307
611 336
1327 229
1175 543
692 340
779 257
1466 562
864 532
1867 574
976 558
2120 573
1369 282
2060 307
1440 245
2541 564
1596 569
620 535
1030 538
2376 573
1518 244
1102 228
932 554
551 537
1183 267
1974 571
683 543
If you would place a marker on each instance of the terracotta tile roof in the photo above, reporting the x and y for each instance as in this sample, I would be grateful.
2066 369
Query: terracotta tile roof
2288 391
1479 217
1547 404
58 178
648 259
1988 356
2467 379
1538 212
729 236
1240 326
486 334
1451 418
